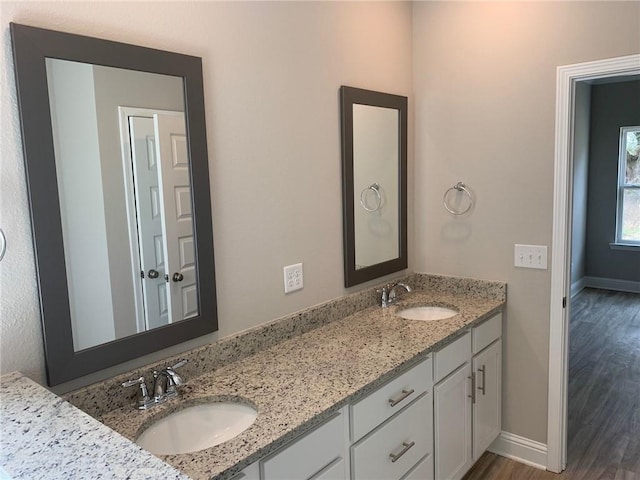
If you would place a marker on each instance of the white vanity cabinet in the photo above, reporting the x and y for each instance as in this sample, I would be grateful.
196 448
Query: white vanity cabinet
392 429
319 454
467 398
387 435
252 472
409 428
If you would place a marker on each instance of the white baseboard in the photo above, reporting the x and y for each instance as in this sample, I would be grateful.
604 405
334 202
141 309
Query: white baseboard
520 449
613 284
578 286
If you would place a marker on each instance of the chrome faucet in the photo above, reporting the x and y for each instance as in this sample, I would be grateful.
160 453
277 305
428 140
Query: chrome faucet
165 383
389 294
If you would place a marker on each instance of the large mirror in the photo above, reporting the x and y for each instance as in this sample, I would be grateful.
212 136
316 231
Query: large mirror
117 169
374 166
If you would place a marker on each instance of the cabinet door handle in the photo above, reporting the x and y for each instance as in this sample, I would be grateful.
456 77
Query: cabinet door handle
395 457
405 393
472 395
483 370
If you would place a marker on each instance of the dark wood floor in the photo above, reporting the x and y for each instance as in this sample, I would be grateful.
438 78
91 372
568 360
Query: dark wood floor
604 395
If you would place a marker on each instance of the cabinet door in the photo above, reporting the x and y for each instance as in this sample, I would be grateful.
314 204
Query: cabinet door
487 411
452 425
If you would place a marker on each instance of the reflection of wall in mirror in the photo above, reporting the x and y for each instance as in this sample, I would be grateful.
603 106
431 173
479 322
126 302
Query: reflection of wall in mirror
73 111
100 282
375 160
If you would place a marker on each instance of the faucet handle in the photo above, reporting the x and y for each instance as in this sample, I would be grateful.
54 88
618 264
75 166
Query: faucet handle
144 400
181 363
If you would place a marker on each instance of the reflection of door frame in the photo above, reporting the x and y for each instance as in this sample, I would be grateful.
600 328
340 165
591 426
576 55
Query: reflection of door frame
567 77
125 142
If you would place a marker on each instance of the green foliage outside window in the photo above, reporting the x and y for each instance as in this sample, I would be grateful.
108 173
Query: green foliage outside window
630 187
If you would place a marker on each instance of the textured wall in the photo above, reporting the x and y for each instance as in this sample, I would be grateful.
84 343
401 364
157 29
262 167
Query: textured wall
272 71
484 95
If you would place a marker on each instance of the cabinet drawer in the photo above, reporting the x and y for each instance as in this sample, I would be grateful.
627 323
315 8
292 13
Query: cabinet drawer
410 431
335 471
451 357
486 333
374 409
308 455
422 471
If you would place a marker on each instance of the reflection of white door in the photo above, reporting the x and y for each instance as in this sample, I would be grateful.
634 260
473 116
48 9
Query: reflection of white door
149 222
177 216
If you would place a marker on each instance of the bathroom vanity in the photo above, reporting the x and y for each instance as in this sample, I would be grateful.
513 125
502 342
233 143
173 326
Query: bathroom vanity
325 391
408 426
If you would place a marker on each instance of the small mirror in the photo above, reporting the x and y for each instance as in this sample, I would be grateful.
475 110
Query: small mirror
374 165
117 169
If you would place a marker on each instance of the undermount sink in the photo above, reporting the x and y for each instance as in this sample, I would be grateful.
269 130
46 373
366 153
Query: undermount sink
427 313
196 428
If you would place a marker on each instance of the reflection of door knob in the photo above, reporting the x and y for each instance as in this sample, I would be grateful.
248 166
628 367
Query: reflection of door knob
153 273
178 277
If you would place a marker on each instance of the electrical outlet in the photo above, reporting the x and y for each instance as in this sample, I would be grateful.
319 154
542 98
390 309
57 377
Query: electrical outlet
530 256
293 278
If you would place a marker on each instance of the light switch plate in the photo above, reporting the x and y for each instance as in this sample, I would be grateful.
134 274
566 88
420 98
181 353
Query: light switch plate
530 256
293 279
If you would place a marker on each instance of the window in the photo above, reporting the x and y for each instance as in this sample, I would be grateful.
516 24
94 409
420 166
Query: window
628 221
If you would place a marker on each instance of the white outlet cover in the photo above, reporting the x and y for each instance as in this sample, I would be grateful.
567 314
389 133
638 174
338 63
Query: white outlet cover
293 278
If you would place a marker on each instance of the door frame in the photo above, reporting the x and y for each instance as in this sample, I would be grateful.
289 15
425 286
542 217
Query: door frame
566 79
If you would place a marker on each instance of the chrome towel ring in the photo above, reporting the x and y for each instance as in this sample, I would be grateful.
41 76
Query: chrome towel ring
459 187
3 245
376 190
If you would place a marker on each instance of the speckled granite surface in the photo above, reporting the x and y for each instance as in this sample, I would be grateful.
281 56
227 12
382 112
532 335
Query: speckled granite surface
296 370
297 383
42 436
102 397
105 396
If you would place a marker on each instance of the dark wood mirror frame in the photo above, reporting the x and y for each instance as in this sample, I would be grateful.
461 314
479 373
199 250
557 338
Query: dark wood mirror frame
31 46
348 97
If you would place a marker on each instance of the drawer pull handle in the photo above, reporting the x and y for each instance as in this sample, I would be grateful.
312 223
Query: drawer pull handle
483 369
472 395
405 393
396 457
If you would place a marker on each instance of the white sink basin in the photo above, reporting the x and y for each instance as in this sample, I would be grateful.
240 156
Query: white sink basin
427 313
196 428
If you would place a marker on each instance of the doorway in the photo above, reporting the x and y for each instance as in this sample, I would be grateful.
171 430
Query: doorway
560 311
160 224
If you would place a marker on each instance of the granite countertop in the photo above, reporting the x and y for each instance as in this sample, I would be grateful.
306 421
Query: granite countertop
43 436
299 382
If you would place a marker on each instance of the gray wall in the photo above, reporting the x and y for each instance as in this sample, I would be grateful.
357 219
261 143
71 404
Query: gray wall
612 106
580 183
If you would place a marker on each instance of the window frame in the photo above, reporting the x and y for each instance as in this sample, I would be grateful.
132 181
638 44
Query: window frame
622 186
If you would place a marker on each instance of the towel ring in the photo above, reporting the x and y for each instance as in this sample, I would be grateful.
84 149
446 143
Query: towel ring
460 187
3 245
376 189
